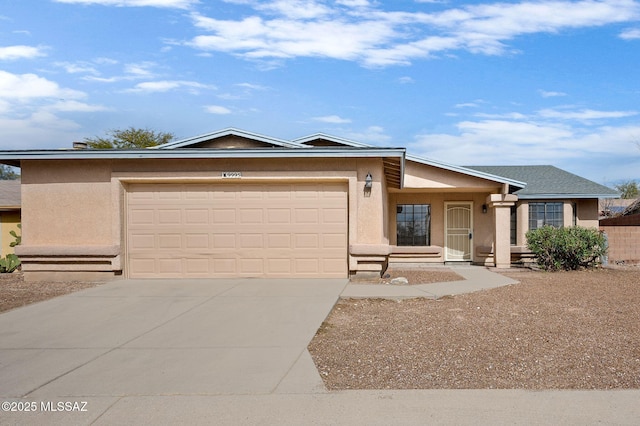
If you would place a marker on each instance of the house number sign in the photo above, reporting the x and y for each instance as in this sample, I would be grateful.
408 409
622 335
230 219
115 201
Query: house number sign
232 175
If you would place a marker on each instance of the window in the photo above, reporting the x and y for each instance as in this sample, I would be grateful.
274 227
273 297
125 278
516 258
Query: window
413 222
541 214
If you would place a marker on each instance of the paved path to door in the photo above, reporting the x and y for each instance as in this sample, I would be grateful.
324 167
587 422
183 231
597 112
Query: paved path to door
229 352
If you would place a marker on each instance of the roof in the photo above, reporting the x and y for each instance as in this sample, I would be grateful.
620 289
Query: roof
10 194
321 139
634 208
549 182
183 143
528 182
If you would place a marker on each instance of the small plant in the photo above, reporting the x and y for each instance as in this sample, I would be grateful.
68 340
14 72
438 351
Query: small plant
569 248
9 263
18 238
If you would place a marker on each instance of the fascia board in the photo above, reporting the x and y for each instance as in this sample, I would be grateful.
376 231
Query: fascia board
330 138
563 196
94 154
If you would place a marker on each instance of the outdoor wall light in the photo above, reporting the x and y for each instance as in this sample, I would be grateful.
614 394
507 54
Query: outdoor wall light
368 181
484 208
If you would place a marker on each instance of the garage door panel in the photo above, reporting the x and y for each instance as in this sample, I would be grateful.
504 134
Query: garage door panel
170 241
263 230
248 216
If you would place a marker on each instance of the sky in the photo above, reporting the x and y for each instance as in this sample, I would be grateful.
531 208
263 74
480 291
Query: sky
464 82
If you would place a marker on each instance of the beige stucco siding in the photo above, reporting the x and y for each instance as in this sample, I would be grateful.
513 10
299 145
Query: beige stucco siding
482 222
75 211
8 222
66 203
429 178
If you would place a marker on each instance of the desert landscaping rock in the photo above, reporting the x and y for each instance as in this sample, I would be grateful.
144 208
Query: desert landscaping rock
15 292
400 281
565 330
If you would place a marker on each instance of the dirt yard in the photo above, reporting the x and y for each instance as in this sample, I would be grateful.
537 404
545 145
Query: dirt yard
14 292
565 330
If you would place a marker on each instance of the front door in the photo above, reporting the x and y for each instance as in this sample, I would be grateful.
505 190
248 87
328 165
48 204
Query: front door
458 231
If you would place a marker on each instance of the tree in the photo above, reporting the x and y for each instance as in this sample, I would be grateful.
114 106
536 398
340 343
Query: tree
628 189
130 138
8 173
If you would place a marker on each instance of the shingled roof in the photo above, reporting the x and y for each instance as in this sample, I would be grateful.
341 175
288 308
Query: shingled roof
549 182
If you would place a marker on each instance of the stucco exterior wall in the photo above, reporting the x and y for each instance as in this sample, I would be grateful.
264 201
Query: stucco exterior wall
66 203
482 222
73 211
588 213
8 222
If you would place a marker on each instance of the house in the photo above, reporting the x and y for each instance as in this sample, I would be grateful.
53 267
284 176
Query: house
237 204
9 214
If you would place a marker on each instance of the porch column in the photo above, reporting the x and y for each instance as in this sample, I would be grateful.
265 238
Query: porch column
501 204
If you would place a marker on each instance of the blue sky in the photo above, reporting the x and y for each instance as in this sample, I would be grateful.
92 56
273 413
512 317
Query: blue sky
469 83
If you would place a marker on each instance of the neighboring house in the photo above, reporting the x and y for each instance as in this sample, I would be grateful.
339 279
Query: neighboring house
9 214
614 207
238 204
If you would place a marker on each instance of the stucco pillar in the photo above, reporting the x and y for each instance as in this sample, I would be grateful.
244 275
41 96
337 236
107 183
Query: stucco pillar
501 205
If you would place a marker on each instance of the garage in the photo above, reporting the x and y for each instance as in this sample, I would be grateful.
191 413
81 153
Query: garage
267 230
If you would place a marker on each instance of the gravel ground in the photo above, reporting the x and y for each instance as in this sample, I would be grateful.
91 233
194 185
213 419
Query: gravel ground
564 330
14 292
431 274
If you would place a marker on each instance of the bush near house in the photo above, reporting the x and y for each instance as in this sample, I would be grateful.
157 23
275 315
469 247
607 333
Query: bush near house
569 248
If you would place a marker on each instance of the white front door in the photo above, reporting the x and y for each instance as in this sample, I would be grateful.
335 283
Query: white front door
458 231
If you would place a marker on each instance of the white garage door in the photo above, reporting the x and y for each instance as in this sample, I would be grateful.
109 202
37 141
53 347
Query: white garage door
237 230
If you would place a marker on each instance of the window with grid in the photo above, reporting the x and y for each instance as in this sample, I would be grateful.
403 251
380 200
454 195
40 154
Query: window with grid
413 222
541 214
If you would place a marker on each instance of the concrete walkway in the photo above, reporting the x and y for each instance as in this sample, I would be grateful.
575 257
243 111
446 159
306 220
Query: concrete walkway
232 352
475 279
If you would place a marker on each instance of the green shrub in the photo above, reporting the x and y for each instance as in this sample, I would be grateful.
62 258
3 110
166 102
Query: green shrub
568 248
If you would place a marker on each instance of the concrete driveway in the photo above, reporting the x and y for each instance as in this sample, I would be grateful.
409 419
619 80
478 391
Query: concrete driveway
165 337
228 352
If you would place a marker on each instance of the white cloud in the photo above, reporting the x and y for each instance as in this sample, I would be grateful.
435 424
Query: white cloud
177 4
406 80
333 119
77 67
585 114
12 53
381 38
595 152
30 108
217 109
75 106
630 34
168 85
551 94
22 87
141 69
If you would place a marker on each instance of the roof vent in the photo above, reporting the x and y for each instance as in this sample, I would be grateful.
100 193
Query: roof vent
80 145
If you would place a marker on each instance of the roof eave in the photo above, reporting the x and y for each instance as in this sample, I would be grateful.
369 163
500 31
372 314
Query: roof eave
228 132
467 171
94 154
563 196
